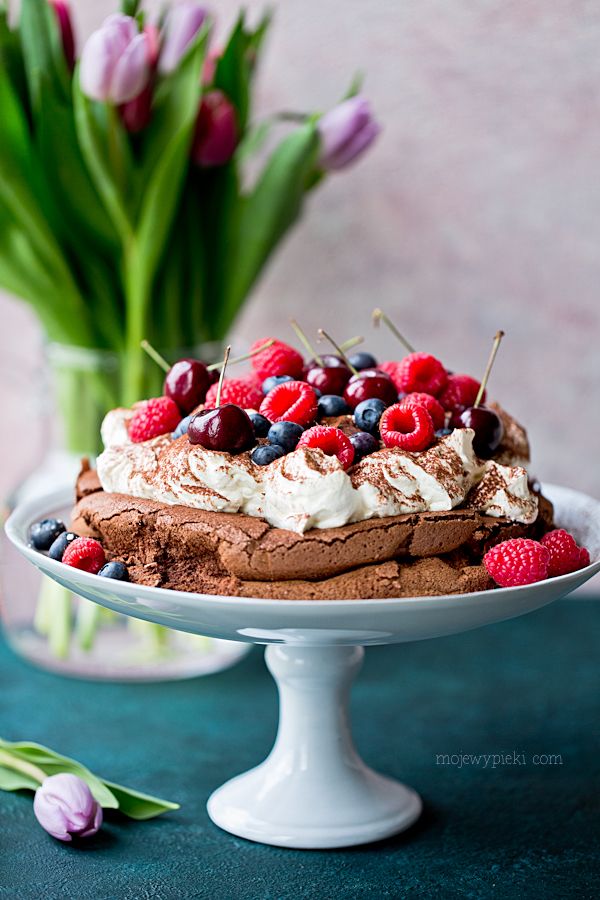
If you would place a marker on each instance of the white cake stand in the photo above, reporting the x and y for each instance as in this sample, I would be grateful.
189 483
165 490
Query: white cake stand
313 790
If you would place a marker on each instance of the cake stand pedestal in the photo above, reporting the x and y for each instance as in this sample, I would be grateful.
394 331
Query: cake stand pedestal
313 790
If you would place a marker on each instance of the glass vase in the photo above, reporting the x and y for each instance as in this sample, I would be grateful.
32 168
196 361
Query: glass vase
43 621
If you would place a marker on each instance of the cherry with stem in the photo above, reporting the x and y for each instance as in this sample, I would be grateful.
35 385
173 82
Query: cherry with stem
486 424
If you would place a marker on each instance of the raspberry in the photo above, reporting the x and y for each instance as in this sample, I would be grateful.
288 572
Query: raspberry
86 554
392 368
292 401
460 393
432 406
160 415
518 561
278 359
409 427
244 392
421 372
565 554
331 441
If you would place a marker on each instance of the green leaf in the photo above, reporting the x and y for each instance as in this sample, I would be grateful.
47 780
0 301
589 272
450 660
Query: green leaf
137 805
12 58
16 781
233 71
355 86
130 7
42 50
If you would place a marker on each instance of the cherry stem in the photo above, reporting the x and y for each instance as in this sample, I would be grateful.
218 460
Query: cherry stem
379 316
301 335
243 358
222 375
155 355
351 342
498 337
323 334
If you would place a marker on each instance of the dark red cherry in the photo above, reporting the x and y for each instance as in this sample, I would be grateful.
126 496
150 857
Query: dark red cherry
186 383
369 384
226 428
325 361
329 379
488 429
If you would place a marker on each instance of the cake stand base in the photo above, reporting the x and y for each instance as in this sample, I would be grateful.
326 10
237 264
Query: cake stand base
313 790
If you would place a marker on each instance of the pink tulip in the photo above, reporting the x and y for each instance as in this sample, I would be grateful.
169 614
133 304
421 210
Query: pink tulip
114 64
63 14
65 808
216 131
346 131
182 24
137 113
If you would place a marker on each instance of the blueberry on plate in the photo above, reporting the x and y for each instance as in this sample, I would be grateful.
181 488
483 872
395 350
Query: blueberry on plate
362 360
266 454
368 413
332 405
363 443
272 382
116 570
285 434
182 427
260 424
58 547
43 534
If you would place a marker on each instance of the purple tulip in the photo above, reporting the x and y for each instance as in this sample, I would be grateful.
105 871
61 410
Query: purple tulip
137 113
114 64
65 807
182 24
63 14
346 131
216 131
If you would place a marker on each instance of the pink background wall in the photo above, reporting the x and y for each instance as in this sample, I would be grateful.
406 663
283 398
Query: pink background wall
479 208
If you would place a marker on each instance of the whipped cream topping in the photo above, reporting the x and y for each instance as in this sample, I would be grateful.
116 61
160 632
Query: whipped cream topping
504 491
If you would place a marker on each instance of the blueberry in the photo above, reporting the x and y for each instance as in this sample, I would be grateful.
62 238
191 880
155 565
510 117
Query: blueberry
182 427
272 382
43 534
368 413
260 424
332 405
442 432
116 570
266 454
363 443
58 547
362 360
285 434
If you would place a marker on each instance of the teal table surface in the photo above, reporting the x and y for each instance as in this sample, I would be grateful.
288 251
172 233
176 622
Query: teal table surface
525 827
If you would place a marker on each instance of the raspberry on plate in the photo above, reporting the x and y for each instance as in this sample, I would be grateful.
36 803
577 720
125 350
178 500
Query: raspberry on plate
154 417
517 561
86 554
459 394
435 409
243 392
409 427
278 359
565 554
331 441
421 372
292 401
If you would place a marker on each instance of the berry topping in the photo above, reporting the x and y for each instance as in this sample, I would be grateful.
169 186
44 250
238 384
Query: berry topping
116 570
364 444
43 534
293 401
266 454
242 392
152 418
331 405
329 379
285 434
278 359
393 369
226 428
182 428
186 383
459 393
331 441
260 424
368 413
86 554
58 547
565 554
421 372
432 406
408 427
518 561
272 382
370 383
362 360
488 429
325 361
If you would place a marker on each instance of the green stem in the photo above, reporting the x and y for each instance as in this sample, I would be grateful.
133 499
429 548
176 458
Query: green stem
19 765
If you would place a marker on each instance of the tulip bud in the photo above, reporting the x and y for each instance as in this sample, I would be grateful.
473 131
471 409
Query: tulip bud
136 114
65 808
182 24
114 63
215 138
346 131
63 14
